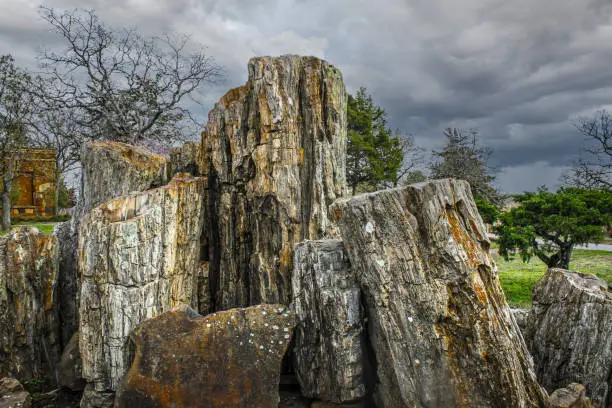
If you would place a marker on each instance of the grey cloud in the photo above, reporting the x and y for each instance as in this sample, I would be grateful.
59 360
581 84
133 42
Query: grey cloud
518 71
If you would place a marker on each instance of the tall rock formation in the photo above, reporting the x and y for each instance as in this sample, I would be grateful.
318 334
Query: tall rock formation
114 169
138 256
569 333
274 153
438 322
29 324
329 349
229 359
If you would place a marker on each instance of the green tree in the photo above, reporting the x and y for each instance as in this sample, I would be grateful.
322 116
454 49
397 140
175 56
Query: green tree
375 154
489 212
462 158
549 225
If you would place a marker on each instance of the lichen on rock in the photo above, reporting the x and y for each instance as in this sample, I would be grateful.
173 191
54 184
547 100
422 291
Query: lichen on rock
226 359
138 257
274 153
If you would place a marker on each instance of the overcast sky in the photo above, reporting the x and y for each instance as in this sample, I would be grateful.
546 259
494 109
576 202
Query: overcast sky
518 71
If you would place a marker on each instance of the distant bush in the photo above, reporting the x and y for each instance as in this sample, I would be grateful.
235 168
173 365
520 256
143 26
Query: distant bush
16 219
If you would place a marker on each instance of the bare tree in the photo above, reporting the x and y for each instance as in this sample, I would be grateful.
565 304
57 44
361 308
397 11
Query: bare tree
120 85
54 127
15 114
594 167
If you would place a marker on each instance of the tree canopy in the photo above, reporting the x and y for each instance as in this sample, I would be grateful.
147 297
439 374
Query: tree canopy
375 154
462 158
549 225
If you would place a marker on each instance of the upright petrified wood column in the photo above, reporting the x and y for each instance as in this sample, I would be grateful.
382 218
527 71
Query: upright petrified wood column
274 153
438 322
138 257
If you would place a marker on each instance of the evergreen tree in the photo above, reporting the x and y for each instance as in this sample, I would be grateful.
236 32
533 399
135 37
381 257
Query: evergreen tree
374 154
463 159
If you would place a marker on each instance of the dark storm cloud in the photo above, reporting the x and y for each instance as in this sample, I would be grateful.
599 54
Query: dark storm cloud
520 72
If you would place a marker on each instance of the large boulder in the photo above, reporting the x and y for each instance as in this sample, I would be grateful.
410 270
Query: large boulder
138 257
438 323
570 333
228 359
12 394
274 154
114 169
329 340
29 322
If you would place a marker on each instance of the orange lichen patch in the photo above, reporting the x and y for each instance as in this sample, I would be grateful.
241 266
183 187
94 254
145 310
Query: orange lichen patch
467 243
233 95
286 259
301 157
337 213
479 288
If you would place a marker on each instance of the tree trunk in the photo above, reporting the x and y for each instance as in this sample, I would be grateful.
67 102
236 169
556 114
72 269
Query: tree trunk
560 259
6 210
57 183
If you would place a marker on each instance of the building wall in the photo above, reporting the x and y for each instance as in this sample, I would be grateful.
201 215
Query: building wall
34 188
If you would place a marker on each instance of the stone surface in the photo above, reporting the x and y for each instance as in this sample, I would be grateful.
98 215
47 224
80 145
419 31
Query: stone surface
70 367
274 155
570 333
438 322
572 396
93 398
329 346
522 317
227 359
113 169
185 158
12 394
68 281
29 324
138 257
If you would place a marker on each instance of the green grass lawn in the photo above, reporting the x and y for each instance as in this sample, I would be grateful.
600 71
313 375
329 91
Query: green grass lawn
44 227
518 278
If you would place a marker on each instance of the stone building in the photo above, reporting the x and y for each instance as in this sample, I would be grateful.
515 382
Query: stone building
34 188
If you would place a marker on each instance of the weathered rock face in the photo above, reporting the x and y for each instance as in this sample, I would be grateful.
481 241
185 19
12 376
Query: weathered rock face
185 159
138 256
113 169
329 343
438 322
522 317
274 153
67 282
570 333
12 394
227 359
572 396
29 324
70 367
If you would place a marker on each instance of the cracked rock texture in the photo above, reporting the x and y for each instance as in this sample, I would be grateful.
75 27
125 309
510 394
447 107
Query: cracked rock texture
138 257
113 169
438 322
274 155
570 333
67 282
572 396
185 158
29 322
228 359
12 394
329 350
